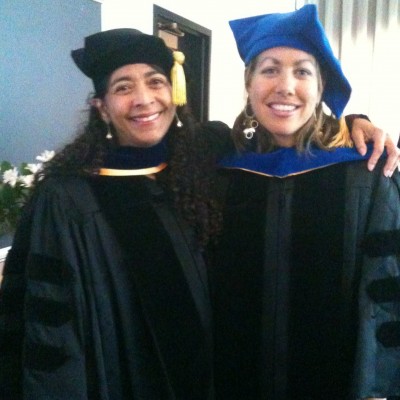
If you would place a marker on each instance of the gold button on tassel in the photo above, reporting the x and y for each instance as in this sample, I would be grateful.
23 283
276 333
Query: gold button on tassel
178 79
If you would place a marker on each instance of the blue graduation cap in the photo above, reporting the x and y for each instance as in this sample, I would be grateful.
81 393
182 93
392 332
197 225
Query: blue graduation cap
300 29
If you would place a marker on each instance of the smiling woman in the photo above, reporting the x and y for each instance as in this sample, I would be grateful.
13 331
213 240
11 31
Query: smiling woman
306 275
105 289
284 90
138 105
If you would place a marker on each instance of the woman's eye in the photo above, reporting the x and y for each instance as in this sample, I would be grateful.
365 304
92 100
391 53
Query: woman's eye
157 82
121 89
269 71
304 72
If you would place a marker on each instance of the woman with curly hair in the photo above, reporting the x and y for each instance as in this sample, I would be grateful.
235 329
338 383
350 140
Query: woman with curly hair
105 290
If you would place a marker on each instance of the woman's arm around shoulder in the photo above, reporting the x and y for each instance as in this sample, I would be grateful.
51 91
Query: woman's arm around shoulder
362 132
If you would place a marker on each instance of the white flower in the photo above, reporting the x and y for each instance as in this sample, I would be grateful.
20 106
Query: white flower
16 185
46 155
27 180
11 176
34 167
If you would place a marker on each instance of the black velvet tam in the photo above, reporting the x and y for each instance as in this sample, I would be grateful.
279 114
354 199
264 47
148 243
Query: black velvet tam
106 51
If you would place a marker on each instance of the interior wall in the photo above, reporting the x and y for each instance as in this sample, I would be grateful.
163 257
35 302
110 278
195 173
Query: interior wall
42 92
226 80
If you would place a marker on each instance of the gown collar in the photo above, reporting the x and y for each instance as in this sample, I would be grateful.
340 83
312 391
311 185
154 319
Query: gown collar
286 162
129 160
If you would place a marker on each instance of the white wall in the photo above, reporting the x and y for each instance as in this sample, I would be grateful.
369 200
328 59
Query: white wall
226 84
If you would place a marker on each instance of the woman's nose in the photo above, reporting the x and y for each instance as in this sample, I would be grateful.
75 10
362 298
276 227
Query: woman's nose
142 96
285 84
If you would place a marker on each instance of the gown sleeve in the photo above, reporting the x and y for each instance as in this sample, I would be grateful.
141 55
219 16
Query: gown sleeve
377 372
40 340
12 293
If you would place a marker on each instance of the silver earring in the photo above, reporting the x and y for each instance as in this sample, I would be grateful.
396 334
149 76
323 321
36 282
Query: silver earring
179 123
109 135
250 124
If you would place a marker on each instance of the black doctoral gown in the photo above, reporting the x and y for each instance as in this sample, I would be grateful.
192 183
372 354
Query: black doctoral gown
104 297
306 286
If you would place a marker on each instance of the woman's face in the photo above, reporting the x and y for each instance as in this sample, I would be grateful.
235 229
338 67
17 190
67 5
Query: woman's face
138 103
284 90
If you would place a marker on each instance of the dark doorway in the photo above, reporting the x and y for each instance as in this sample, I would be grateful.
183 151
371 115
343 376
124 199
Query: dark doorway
195 42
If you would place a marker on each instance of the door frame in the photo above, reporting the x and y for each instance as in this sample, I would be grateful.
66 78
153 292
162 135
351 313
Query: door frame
202 35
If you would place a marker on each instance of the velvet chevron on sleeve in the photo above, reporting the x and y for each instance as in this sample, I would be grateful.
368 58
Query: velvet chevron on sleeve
306 286
98 300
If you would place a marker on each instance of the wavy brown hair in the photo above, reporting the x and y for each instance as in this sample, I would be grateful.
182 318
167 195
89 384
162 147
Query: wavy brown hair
321 130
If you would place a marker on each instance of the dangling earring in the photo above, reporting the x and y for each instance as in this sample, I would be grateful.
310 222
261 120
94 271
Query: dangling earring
250 124
179 123
109 135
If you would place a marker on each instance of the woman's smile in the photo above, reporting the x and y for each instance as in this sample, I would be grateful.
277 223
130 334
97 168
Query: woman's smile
139 105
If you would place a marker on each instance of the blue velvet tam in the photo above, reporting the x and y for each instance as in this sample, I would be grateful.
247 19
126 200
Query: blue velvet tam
300 29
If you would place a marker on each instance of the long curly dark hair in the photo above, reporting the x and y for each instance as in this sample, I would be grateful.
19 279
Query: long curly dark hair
188 180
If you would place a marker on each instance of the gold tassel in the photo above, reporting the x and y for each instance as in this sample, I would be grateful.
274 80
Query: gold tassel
178 79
